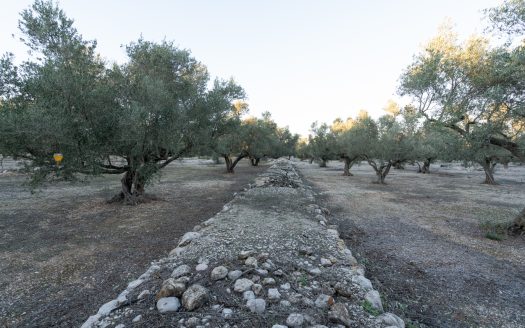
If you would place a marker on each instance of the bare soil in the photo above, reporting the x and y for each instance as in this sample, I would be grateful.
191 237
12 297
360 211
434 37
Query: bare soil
64 251
421 240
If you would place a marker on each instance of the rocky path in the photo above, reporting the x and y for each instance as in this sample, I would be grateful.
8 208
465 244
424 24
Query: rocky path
270 258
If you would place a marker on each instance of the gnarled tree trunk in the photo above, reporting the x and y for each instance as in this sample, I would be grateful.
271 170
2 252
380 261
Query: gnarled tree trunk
381 170
349 162
426 165
488 166
323 162
230 165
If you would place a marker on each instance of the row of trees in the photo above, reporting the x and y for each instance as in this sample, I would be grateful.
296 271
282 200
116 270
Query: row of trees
467 102
131 119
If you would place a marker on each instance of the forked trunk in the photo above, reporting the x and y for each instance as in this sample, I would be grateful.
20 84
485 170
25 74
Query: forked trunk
132 188
323 163
348 166
311 160
230 165
488 166
381 171
426 166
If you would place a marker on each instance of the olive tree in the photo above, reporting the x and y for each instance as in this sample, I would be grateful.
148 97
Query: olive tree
387 145
321 142
460 87
133 119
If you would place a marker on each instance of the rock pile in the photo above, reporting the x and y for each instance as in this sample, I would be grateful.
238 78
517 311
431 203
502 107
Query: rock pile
270 258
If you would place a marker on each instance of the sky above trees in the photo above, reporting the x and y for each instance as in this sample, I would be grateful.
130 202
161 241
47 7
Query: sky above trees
301 60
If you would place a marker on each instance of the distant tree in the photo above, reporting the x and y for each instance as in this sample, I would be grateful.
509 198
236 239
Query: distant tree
347 142
322 143
388 145
286 142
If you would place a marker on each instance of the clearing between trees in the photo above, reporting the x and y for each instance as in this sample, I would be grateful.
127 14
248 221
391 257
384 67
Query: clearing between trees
422 240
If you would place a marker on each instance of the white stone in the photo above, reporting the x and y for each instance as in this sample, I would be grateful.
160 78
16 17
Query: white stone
181 270
362 282
219 273
285 303
194 297
374 299
322 301
295 320
242 285
273 294
135 283
143 294
168 304
391 320
201 267
257 305
245 254
257 289
137 318
248 295
91 321
108 307
326 262
279 326
188 238
227 313
120 325
234 275
251 261
286 286
177 251
315 271
268 281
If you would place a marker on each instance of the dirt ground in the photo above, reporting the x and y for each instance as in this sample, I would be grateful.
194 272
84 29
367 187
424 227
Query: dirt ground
420 239
64 251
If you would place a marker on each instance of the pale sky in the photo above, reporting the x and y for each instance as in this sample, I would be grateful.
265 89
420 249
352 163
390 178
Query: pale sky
303 61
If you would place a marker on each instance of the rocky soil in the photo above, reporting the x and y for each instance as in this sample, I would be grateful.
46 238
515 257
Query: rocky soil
422 240
270 258
64 250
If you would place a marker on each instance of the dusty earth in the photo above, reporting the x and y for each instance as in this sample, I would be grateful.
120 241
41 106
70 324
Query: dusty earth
63 250
421 241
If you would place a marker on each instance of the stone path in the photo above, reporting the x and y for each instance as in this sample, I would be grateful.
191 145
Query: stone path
270 258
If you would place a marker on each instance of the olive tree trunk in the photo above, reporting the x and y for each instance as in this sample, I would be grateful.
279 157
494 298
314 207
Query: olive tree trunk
349 162
426 165
254 161
488 166
230 164
381 170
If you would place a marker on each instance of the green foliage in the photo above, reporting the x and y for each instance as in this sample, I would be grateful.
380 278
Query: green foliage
367 306
322 143
134 119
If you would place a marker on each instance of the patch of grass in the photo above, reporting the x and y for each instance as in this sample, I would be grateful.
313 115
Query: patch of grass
494 236
303 280
367 306
496 231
